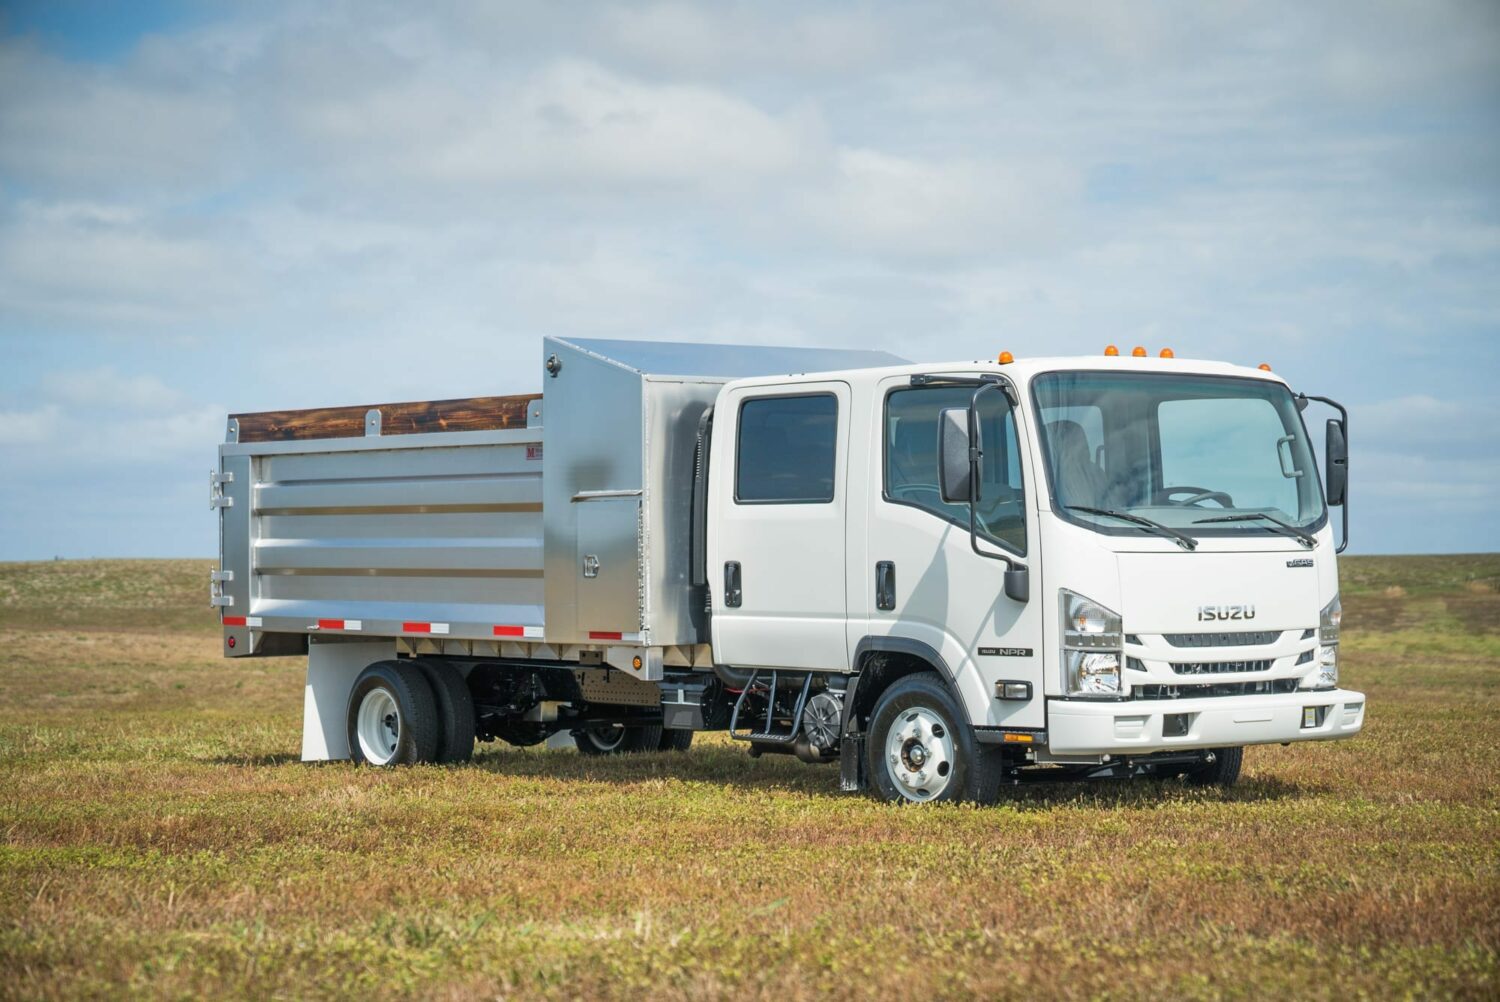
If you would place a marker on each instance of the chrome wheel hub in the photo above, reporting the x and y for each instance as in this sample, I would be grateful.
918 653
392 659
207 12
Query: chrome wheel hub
919 754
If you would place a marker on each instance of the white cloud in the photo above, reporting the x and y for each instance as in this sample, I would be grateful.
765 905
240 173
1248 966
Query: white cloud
287 205
28 427
900 206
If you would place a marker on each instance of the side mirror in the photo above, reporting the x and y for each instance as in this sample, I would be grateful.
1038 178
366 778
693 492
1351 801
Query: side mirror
953 455
1336 453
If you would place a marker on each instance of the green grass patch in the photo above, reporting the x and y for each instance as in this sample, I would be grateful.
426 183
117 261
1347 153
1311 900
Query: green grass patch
158 837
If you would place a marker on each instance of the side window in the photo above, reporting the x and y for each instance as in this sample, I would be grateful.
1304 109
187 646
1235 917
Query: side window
911 461
787 450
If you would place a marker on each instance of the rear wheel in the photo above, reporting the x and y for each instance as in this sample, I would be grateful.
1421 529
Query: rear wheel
455 711
392 716
613 739
1223 771
675 740
921 750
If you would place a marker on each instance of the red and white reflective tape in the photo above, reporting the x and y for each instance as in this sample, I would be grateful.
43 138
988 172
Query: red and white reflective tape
633 638
347 625
252 621
434 628
528 632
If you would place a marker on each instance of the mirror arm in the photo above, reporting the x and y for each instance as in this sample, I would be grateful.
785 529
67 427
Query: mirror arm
1302 399
1016 583
975 454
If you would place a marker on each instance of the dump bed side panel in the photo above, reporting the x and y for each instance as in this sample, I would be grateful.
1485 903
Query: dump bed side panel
437 534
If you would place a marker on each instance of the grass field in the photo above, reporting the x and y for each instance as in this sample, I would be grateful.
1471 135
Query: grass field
158 836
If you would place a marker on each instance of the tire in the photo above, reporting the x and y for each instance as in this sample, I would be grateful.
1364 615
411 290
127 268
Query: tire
616 739
392 716
1223 771
920 748
455 711
675 740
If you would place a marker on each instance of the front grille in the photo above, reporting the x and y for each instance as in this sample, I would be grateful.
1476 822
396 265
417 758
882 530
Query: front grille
1195 691
1256 638
1219 667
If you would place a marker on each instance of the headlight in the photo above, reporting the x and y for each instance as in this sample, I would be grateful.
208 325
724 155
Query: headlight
1328 622
1327 675
1093 673
1092 640
1328 667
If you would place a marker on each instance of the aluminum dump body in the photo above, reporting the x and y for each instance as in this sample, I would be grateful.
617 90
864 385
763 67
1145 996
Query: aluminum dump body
564 519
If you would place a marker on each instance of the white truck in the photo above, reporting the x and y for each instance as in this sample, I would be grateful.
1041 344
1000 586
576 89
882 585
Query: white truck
943 577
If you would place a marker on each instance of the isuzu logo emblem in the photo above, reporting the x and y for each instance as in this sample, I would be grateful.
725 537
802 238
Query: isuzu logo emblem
1214 613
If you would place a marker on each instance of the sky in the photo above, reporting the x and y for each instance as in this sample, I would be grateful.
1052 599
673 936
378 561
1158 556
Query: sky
208 208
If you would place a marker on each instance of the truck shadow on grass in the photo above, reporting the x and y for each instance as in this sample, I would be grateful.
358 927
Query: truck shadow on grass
731 767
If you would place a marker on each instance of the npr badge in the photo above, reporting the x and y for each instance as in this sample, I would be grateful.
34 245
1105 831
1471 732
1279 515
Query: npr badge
1005 652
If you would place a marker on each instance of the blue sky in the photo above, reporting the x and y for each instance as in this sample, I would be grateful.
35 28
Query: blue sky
207 208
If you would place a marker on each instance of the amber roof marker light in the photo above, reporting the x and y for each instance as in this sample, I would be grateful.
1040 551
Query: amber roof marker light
1168 353
1264 367
1111 351
1138 352
1006 358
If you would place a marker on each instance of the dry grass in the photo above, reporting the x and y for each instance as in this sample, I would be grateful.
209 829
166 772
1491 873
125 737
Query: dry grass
158 837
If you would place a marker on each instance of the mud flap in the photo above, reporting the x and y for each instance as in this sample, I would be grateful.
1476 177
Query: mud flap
852 763
332 668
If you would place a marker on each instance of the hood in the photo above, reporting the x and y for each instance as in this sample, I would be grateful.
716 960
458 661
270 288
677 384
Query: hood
1209 592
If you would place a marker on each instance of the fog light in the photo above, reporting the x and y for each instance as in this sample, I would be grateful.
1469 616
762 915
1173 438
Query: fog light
1312 716
1174 725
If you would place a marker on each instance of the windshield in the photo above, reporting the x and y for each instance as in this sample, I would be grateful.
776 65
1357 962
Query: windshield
1177 450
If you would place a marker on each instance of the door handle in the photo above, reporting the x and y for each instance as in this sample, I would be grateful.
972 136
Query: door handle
885 585
733 594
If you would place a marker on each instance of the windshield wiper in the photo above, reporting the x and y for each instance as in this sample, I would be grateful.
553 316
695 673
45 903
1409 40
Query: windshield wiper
1285 528
1182 539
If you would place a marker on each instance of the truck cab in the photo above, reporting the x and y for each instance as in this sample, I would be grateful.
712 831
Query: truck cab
1113 565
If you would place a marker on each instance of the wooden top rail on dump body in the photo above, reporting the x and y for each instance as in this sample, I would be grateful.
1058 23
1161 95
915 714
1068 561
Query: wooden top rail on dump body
414 418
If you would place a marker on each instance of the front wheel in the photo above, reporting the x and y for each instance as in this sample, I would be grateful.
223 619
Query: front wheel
920 749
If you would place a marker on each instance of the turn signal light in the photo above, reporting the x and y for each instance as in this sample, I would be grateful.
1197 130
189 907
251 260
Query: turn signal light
1111 351
1263 367
1168 353
1006 358
1138 352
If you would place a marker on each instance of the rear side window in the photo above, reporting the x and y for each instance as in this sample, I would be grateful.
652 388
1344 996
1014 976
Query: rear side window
787 450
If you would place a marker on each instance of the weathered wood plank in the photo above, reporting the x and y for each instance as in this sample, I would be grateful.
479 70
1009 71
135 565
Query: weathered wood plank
413 418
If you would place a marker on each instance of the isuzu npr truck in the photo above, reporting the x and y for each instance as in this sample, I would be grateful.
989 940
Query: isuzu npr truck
943 577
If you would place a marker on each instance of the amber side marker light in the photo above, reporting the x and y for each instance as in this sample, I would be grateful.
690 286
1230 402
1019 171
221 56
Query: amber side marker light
1138 352
1111 351
635 662
1006 358
1263 367
1168 353
1019 739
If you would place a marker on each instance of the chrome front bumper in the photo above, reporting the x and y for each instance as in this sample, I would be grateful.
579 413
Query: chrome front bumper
1085 727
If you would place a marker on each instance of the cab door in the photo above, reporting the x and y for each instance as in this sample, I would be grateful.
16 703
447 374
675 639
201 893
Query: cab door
776 552
923 580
